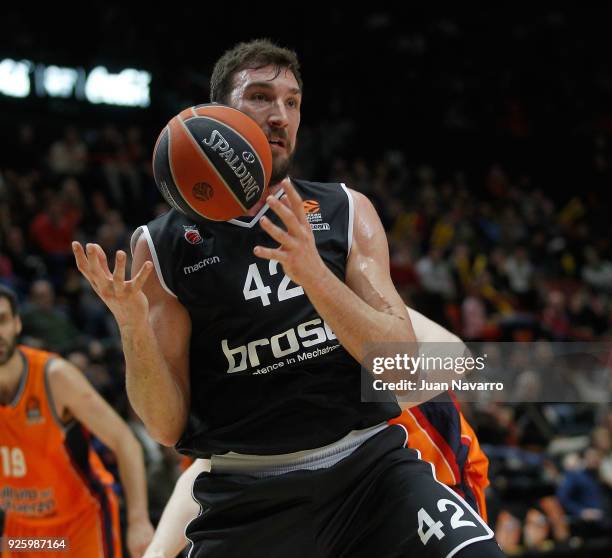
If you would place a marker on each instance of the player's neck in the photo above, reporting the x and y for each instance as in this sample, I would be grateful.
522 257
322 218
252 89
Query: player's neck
10 375
272 190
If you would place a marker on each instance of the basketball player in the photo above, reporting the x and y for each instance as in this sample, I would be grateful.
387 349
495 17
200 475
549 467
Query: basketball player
436 428
52 484
253 359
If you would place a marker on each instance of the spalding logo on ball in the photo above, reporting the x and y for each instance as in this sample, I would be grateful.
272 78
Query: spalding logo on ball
212 161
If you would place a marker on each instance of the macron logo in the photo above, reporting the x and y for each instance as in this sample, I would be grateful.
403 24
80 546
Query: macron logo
200 265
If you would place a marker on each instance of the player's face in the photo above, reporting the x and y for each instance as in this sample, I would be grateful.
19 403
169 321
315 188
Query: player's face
272 97
10 328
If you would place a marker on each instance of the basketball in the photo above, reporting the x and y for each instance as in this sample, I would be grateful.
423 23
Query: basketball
212 161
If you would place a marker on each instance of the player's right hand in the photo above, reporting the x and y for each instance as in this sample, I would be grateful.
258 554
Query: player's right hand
124 299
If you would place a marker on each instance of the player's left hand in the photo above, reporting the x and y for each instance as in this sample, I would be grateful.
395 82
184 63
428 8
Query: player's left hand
139 535
297 252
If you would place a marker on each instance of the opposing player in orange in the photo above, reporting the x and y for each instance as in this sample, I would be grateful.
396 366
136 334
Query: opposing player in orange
52 483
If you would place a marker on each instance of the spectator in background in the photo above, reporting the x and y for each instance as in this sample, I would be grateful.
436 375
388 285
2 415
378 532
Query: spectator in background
112 234
597 272
129 168
105 152
68 156
601 440
71 196
474 317
519 272
555 319
512 227
581 314
25 153
44 324
581 492
437 284
462 266
52 232
6 271
120 162
86 312
26 266
22 200
435 275
487 223
536 531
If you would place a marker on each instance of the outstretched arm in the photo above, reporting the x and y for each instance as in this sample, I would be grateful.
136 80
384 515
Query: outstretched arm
155 331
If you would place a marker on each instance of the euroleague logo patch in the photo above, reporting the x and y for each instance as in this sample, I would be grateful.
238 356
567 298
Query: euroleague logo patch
312 208
192 234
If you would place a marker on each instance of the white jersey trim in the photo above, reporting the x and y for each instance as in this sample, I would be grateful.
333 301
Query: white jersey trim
250 224
23 381
160 276
134 239
351 218
50 399
191 542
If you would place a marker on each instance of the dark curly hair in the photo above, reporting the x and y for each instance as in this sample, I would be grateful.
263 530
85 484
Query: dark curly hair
253 55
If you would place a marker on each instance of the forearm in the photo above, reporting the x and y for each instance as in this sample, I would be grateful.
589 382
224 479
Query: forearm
152 389
133 476
356 324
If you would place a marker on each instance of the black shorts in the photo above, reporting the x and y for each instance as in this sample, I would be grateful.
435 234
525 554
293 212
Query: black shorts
381 501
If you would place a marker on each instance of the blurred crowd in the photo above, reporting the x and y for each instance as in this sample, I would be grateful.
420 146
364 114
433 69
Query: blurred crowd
503 260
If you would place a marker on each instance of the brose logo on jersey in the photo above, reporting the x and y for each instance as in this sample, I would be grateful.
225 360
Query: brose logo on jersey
307 334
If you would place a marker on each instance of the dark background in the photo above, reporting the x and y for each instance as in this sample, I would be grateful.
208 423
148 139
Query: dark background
460 90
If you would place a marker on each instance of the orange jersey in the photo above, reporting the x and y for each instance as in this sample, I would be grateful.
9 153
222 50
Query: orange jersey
444 438
52 483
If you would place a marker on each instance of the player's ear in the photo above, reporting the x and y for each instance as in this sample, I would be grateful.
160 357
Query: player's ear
18 324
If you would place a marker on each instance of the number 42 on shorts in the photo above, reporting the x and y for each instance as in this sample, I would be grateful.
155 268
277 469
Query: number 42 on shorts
437 527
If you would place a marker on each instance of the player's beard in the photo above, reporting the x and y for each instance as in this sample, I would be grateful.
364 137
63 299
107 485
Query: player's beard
9 347
280 168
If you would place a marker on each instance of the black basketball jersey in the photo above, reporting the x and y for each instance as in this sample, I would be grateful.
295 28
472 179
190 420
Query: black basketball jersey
268 375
